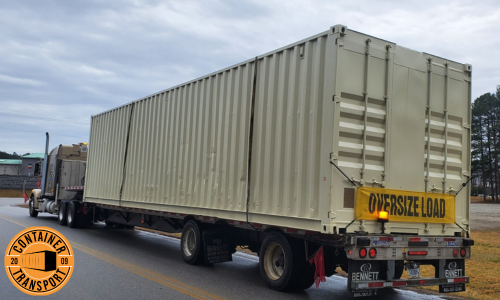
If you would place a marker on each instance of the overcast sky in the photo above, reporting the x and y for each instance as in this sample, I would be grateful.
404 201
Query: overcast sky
63 61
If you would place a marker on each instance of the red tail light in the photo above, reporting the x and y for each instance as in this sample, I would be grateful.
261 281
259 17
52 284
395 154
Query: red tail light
362 252
463 252
455 252
417 252
373 252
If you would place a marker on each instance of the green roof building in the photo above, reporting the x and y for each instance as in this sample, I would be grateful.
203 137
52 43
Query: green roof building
11 167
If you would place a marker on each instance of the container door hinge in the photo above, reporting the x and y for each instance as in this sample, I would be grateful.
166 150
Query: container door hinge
466 125
333 157
331 215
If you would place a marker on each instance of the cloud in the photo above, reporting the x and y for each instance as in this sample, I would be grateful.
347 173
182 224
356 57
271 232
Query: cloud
68 60
20 81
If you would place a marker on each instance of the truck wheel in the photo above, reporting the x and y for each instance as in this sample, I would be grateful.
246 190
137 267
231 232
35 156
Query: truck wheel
192 244
281 263
72 215
62 214
33 212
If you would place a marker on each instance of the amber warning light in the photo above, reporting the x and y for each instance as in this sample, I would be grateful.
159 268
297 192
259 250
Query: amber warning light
383 216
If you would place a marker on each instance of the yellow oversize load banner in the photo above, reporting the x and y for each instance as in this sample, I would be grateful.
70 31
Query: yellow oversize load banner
405 206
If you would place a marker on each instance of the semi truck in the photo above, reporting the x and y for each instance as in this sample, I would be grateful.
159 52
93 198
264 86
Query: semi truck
341 150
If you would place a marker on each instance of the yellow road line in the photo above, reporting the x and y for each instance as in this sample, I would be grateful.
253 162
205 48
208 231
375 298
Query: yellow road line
161 279
14 221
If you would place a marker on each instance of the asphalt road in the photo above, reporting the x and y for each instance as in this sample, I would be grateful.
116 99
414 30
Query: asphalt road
134 264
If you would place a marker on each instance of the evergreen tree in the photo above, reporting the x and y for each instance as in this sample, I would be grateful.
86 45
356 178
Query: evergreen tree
486 142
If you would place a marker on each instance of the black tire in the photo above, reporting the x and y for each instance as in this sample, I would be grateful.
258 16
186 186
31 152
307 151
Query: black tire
73 218
32 211
281 262
399 268
62 214
192 247
307 279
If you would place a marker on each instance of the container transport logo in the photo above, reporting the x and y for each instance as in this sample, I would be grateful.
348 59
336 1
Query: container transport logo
39 261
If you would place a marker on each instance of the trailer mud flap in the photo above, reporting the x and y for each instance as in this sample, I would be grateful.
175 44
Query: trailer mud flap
361 270
218 246
452 268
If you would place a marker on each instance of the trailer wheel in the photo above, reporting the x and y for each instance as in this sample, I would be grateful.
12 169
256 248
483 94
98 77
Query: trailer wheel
192 244
72 215
399 268
62 214
281 262
33 212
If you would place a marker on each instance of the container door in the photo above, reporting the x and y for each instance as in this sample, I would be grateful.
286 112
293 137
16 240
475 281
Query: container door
360 144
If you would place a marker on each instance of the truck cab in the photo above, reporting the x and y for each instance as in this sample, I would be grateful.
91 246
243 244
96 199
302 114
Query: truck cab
63 177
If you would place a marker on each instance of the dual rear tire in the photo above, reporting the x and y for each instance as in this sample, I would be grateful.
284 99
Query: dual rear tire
192 247
70 214
283 264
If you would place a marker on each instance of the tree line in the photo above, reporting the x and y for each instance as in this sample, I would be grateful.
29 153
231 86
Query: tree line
5 155
485 135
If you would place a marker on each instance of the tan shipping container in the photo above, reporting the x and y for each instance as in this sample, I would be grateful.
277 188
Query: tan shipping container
387 116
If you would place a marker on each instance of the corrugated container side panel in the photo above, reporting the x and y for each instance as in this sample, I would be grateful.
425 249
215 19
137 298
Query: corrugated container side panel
106 154
188 145
288 130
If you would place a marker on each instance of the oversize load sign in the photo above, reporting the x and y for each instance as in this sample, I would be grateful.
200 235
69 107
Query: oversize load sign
404 206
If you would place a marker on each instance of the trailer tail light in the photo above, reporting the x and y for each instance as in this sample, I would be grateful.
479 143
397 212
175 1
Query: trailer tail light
362 252
455 252
373 252
459 280
463 252
418 252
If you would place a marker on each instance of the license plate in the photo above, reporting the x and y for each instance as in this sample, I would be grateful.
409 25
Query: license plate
413 270
452 288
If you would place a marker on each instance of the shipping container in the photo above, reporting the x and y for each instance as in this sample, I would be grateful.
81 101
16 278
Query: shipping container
387 116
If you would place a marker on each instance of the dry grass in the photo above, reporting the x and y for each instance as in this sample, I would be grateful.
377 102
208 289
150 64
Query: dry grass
12 193
483 268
